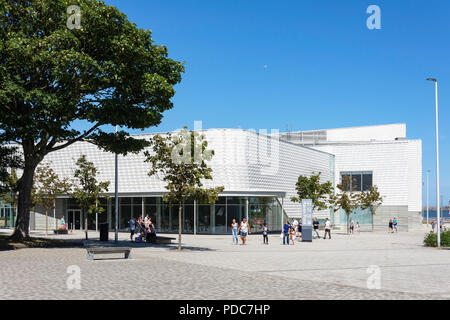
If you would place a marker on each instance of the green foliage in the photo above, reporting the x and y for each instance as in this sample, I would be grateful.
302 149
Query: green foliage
8 190
88 191
311 188
9 161
181 161
370 199
430 239
346 199
107 72
47 186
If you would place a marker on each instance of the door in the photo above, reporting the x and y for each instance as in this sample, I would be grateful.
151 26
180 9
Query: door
74 219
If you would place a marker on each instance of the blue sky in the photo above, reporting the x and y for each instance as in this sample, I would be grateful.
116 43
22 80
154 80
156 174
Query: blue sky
325 68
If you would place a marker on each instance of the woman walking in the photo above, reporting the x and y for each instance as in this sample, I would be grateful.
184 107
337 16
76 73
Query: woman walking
391 226
234 230
243 230
265 231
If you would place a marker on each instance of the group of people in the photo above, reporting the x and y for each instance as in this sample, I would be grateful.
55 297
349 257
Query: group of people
434 224
393 225
144 228
291 231
242 229
354 227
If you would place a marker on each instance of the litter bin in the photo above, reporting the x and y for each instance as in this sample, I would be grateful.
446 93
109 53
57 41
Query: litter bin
104 231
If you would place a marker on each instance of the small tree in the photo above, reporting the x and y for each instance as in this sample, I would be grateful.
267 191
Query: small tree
8 190
370 200
47 186
180 161
89 191
311 188
346 199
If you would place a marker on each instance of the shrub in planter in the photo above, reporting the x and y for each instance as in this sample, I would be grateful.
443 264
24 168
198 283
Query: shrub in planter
431 239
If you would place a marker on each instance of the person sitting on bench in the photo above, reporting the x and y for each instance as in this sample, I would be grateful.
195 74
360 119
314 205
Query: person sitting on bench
151 234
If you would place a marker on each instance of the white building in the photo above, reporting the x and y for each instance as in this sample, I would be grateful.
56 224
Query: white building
383 156
258 173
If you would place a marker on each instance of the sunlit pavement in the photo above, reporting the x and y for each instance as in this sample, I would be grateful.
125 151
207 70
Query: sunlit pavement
211 267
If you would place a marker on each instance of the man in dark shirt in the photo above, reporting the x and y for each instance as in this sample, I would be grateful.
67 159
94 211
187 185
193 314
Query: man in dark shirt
316 228
286 228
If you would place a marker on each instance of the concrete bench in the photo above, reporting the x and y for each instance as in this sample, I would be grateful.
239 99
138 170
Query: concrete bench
107 250
163 240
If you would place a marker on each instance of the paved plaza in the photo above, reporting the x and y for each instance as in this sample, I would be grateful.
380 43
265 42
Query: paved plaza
211 267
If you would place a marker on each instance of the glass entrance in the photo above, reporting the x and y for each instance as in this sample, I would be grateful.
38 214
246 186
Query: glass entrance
74 219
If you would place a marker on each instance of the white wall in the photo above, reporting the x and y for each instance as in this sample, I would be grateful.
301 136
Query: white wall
396 167
379 133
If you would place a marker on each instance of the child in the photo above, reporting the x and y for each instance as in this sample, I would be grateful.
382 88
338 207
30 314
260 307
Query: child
358 227
292 235
265 230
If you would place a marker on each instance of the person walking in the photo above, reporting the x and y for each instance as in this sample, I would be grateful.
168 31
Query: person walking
265 231
316 228
295 226
286 228
433 225
358 228
391 226
352 226
395 224
327 229
244 230
132 228
292 234
234 230
300 229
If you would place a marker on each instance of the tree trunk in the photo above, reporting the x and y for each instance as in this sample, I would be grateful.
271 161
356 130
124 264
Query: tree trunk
21 228
85 222
180 212
348 230
46 222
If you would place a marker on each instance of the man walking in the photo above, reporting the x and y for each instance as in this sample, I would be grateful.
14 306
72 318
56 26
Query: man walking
132 228
327 228
316 228
286 229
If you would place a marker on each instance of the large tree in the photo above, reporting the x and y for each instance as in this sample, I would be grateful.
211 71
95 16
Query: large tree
311 188
47 186
180 160
104 71
87 191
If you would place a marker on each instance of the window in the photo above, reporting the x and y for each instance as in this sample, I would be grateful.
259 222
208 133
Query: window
357 181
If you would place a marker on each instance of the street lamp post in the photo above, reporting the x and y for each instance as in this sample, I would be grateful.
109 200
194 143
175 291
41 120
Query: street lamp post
116 207
428 174
438 207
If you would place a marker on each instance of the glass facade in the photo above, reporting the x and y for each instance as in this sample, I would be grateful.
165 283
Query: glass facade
205 218
7 215
358 181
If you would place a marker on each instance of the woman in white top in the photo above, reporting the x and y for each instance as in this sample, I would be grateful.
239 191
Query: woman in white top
234 230
243 230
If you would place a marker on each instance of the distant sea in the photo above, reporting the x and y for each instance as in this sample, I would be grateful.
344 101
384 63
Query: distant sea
432 214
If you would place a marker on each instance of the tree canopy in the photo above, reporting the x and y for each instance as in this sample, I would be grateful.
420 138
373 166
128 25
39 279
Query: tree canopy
311 188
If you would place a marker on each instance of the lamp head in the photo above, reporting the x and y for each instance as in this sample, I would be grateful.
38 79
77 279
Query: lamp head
432 79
